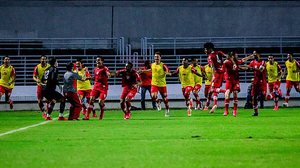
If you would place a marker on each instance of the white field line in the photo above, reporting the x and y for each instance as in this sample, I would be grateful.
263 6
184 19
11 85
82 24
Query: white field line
27 127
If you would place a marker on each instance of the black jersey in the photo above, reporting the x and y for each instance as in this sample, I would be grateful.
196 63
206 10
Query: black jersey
50 78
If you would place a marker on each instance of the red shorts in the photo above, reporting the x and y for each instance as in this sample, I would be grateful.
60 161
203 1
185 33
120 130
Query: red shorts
161 90
102 94
5 90
197 87
206 90
187 90
259 88
290 84
39 92
273 86
128 92
85 93
233 85
217 80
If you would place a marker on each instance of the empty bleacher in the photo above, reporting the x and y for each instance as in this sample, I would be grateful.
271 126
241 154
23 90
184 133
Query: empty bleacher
174 49
25 54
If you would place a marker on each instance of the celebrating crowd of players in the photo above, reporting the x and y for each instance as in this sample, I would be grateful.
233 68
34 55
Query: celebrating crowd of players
77 88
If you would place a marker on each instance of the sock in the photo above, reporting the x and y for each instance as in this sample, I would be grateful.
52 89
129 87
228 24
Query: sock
255 106
235 103
89 109
101 111
50 108
215 98
123 106
166 101
276 102
128 106
227 104
287 97
208 99
41 106
197 97
62 106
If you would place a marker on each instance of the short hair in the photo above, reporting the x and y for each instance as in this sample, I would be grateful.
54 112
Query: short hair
158 53
100 57
209 45
52 61
69 66
186 58
129 63
79 59
231 53
146 63
290 53
43 56
6 56
194 58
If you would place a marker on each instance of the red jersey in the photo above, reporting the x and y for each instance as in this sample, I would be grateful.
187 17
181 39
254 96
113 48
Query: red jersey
101 77
230 73
146 77
129 78
258 75
216 61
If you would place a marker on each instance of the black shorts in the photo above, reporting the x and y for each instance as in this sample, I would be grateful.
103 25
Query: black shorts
50 95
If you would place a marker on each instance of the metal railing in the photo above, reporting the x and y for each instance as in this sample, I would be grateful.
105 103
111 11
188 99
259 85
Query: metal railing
148 45
276 46
21 46
25 53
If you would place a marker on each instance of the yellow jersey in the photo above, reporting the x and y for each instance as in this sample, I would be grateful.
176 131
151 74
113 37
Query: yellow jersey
186 76
39 71
7 76
159 74
209 74
198 79
291 68
84 85
272 71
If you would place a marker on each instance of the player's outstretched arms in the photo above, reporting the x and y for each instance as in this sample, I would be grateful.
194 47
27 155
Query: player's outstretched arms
243 67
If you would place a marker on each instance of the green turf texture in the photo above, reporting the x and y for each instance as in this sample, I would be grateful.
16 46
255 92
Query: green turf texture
149 139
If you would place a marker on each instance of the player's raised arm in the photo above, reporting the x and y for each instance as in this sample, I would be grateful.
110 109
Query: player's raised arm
247 58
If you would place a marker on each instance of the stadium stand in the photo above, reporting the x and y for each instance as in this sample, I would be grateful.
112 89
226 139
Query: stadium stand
25 54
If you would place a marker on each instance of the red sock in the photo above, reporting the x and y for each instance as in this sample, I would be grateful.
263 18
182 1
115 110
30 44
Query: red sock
166 101
226 104
276 102
235 103
287 97
215 98
128 106
101 111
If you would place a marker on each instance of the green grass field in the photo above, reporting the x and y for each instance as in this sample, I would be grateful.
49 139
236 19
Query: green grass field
149 139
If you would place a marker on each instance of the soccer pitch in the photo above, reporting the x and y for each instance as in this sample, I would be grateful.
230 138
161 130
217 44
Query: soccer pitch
149 139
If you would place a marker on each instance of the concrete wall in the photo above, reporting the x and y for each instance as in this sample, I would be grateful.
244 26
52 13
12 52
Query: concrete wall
134 20
28 93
